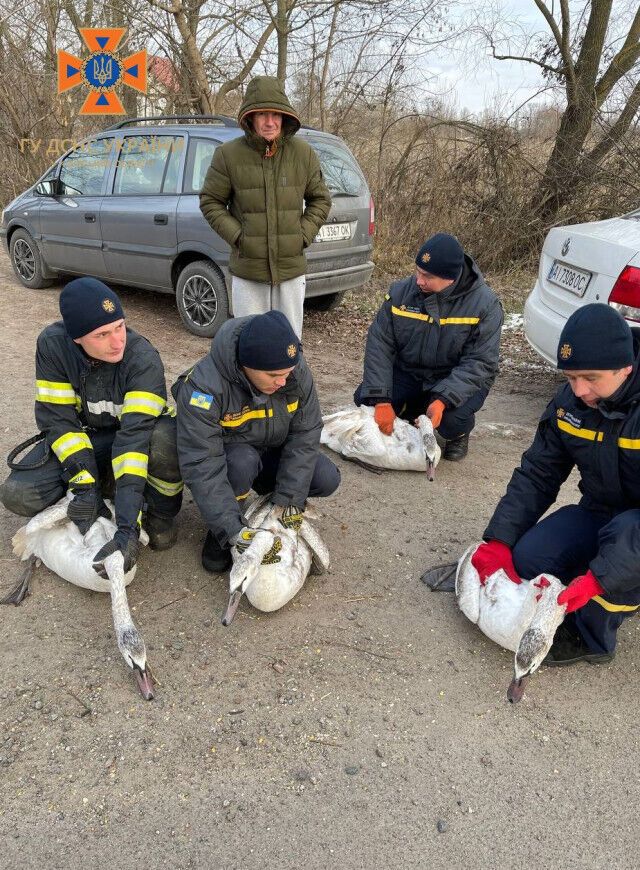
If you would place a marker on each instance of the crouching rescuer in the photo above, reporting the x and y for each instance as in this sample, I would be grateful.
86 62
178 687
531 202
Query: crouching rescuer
592 424
101 407
249 417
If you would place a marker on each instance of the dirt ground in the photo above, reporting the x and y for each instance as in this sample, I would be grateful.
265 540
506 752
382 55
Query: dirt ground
382 739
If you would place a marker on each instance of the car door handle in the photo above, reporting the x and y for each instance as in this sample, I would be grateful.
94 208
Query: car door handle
90 217
160 219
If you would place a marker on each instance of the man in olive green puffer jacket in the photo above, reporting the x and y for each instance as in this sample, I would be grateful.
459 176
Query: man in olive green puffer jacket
264 194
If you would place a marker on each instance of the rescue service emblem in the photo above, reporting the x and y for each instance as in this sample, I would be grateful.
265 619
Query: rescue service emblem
291 351
565 351
425 257
560 413
108 306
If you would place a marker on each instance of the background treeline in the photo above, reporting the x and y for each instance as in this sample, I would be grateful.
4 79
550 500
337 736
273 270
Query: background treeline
361 69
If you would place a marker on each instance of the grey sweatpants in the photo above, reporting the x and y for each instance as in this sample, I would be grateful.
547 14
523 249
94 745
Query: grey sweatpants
256 297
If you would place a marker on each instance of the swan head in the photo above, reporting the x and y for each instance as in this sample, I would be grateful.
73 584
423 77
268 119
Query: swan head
131 645
532 649
431 447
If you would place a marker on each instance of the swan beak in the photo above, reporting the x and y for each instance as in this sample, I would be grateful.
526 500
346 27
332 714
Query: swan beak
515 690
431 470
145 684
232 606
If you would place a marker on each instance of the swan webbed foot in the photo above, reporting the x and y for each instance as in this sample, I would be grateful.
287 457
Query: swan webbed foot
23 587
232 606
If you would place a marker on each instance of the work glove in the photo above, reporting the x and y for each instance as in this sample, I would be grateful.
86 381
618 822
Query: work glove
85 507
384 415
435 411
243 540
492 556
292 517
124 541
580 591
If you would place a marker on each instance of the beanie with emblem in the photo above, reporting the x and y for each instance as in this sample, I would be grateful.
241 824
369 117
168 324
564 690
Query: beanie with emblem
268 343
86 304
442 256
595 337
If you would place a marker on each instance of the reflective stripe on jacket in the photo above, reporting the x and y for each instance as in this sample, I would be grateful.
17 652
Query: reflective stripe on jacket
450 340
217 405
75 394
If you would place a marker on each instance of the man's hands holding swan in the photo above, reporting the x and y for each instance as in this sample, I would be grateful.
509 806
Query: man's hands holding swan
491 557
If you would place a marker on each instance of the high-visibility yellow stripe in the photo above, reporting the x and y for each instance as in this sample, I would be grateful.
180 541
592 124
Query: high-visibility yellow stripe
587 434
459 320
243 496
130 463
412 314
71 443
83 477
250 415
140 402
629 443
55 393
165 487
293 406
615 608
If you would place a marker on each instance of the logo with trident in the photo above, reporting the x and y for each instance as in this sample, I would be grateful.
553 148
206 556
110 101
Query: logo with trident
102 71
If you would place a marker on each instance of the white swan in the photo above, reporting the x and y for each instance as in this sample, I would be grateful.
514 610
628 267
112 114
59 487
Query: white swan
56 541
354 434
521 617
270 586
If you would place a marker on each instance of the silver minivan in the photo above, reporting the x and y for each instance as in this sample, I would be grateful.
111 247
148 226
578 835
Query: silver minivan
123 206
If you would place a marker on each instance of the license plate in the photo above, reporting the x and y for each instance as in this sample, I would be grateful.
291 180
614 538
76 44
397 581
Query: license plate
334 233
571 279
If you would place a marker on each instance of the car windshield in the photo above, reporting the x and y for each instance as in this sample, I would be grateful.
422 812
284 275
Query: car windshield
341 172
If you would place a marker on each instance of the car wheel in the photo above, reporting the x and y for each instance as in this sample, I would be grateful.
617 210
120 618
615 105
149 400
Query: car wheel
201 297
27 261
327 302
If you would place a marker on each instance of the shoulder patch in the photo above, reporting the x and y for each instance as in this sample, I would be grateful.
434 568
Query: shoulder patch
201 400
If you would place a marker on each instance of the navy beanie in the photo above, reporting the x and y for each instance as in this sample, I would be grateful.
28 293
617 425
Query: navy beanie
442 256
86 304
595 337
268 343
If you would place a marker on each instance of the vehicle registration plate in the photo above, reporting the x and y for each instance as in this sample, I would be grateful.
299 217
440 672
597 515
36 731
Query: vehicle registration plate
571 279
334 233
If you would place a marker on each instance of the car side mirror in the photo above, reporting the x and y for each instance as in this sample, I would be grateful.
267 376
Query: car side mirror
47 188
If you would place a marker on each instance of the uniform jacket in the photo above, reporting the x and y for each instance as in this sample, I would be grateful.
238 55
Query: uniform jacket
217 406
603 443
267 206
75 394
450 340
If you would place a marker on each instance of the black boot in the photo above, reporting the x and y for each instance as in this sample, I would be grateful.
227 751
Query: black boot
215 558
457 448
161 530
568 648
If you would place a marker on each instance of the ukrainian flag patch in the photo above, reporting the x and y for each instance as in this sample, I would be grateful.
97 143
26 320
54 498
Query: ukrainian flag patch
201 400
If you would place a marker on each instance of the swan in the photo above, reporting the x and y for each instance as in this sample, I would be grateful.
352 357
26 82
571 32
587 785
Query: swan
353 433
269 586
521 617
51 538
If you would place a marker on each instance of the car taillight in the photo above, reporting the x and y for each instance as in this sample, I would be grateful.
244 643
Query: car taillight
372 217
625 296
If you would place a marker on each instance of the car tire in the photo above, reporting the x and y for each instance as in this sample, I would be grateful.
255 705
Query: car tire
201 297
27 261
327 302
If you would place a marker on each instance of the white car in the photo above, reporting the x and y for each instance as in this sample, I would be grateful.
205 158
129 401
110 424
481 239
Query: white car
595 262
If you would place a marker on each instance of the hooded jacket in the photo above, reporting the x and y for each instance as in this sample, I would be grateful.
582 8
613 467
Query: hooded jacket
267 200
75 394
450 341
603 443
217 406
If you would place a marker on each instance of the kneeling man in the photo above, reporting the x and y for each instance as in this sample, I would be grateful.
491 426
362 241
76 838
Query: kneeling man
433 347
593 424
249 417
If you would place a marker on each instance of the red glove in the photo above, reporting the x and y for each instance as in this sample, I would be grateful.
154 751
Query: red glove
384 415
435 411
580 591
492 556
